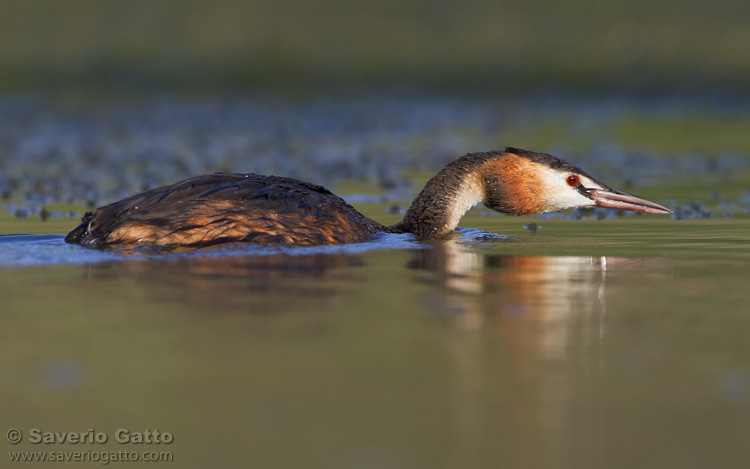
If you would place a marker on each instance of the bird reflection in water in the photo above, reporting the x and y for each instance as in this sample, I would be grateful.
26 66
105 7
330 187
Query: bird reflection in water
210 278
531 327
525 336
481 285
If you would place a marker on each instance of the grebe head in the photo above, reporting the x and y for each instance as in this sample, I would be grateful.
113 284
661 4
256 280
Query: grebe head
522 182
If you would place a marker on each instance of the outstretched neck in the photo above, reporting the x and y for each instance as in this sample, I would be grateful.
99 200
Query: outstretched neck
445 198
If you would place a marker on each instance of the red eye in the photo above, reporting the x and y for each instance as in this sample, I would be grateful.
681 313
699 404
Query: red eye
572 180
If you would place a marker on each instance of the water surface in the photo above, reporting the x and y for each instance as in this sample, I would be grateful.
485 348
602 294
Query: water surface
595 340
613 343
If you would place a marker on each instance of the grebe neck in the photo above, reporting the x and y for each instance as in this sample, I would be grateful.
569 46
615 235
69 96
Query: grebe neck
445 198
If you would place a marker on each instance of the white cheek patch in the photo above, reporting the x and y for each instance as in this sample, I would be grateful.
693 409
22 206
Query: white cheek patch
556 194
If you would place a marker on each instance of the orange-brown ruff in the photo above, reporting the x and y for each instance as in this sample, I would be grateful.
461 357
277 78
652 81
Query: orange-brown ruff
250 208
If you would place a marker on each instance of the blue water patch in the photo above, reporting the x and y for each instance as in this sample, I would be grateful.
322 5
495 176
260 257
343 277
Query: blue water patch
19 250
376 241
473 234
30 249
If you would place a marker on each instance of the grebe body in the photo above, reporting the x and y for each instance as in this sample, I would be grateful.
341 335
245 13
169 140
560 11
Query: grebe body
250 208
219 208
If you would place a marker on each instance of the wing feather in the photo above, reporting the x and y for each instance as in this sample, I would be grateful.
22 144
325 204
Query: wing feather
222 207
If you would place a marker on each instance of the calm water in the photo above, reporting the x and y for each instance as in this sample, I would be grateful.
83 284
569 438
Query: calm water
614 343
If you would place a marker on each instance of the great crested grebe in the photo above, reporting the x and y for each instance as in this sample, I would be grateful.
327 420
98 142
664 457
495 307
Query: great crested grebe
249 208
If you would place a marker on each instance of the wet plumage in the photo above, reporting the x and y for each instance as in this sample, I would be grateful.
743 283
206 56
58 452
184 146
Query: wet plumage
219 208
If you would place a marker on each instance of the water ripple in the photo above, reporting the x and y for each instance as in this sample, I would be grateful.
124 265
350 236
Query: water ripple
18 250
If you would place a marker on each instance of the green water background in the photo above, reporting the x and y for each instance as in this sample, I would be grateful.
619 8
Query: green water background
592 343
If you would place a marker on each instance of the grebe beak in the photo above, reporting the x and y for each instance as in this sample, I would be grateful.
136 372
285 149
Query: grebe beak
615 199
